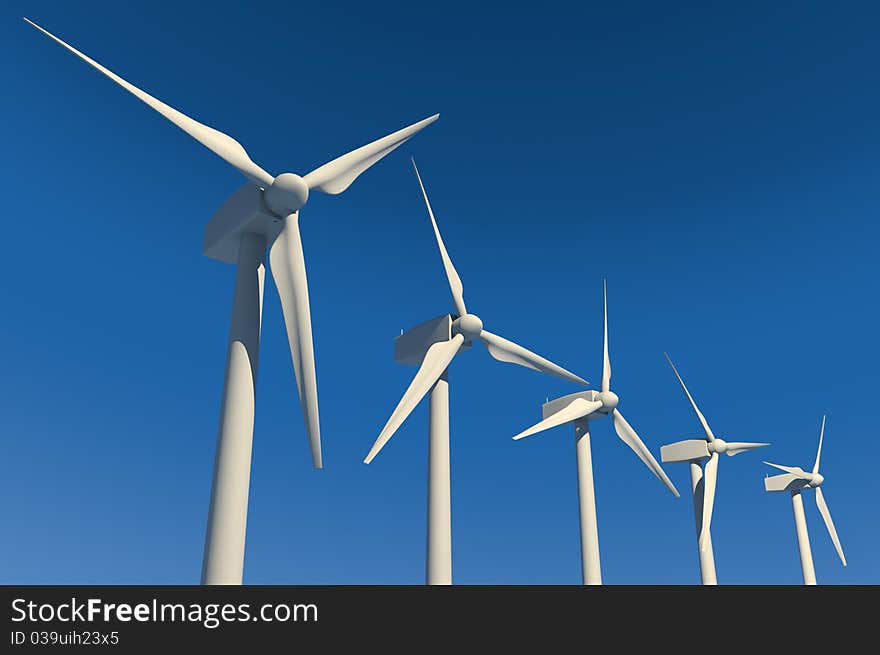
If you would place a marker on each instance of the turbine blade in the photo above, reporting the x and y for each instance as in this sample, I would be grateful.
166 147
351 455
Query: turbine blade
455 284
703 422
630 438
737 447
606 362
435 362
507 351
337 175
217 142
289 272
794 470
578 408
710 478
826 515
819 451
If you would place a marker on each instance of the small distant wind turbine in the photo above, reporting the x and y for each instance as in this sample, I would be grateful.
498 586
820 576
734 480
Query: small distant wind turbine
580 408
695 451
263 213
795 479
432 346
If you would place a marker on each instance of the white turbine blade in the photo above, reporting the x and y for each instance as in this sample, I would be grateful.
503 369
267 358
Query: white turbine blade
507 351
578 408
336 176
220 144
630 438
703 422
289 272
819 451
435 362
737 447
794 470
710 478
823 509
606 362
455 284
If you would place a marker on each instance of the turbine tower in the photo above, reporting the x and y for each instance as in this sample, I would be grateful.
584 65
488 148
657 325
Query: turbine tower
264 213
795 480
695 452
432 345
580 408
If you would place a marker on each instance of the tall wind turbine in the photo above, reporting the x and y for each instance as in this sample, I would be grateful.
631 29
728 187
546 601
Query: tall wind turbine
694 452
265 212
580 408
795 479
432 345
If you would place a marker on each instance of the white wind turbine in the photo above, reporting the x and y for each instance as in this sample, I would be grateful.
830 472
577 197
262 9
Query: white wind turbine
433 345
795 479
695 451
580 408
263 213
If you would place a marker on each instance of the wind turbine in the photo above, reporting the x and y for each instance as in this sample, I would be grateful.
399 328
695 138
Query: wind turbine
265 212
432 345
580 408
795 479
695 451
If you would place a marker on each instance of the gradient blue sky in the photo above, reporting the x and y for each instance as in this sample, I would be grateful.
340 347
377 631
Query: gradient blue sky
718 162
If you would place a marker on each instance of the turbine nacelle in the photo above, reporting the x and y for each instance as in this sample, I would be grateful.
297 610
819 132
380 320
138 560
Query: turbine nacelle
470 326
287 194
689 450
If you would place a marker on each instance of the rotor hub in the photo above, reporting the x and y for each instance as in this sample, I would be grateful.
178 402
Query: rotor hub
609 401
288 193
718 446
816 479
468 325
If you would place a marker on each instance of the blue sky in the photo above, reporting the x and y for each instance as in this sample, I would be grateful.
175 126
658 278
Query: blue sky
717 163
